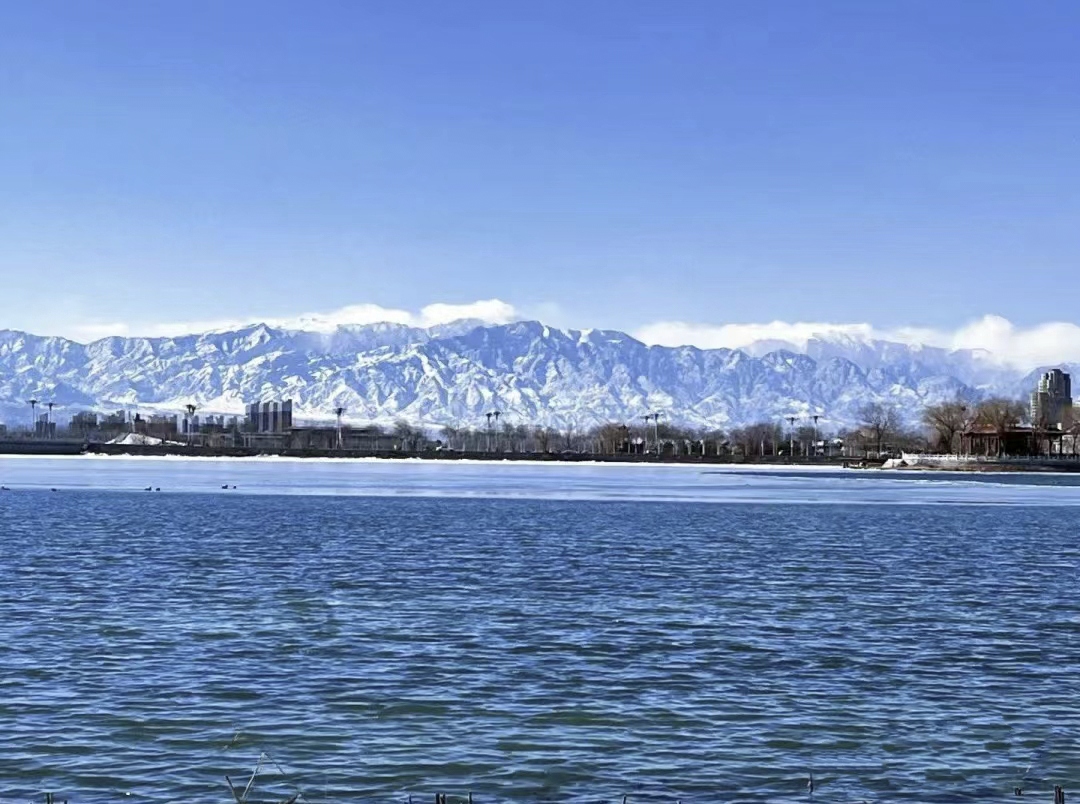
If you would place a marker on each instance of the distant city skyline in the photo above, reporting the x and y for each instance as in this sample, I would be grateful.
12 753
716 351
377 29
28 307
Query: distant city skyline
706 173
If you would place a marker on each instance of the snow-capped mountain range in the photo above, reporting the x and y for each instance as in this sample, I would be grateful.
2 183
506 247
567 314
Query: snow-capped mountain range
455 373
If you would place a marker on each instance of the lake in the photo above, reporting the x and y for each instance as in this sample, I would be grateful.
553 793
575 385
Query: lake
534 632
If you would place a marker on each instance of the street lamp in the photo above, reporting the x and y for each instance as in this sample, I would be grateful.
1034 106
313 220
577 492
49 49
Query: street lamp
33 418
815 417
791 435
339 412
191 417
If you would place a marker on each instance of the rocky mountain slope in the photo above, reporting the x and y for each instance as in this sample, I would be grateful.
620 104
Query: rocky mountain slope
455 373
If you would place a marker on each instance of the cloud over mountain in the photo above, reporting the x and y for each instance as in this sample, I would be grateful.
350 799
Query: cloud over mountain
486 311
1001 341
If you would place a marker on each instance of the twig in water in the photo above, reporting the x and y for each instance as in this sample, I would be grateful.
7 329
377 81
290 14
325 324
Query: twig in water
235 795
251 781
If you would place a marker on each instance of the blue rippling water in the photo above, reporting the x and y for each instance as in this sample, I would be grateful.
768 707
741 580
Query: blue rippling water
548 649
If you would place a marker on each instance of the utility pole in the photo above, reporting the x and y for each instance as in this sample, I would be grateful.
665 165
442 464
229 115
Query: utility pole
191 424
339 412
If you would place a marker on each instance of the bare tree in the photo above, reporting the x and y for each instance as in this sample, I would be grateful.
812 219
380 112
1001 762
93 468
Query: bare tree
755 440
1041 427
806 437
1074 432
1002 415
947 421
543 436
449 433
879 421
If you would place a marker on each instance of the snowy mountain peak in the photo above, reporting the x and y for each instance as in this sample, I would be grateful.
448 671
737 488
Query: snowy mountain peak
455 373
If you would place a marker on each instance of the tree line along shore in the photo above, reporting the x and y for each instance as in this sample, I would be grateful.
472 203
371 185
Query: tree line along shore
881 432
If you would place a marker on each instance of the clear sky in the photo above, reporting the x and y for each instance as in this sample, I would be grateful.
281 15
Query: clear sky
595 163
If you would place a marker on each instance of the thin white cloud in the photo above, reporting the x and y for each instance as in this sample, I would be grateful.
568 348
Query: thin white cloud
739 336
489 311
1003 341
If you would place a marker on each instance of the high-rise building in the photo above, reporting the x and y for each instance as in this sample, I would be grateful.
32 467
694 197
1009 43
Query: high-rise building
1051 401
275 417
269 417
251 420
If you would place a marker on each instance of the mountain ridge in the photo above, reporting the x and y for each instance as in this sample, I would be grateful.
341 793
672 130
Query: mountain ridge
454 373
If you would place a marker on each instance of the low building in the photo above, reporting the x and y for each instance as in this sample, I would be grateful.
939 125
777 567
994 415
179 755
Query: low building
986 441
83 424
157 426
45 427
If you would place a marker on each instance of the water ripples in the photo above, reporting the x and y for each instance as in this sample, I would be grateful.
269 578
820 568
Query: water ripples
535 649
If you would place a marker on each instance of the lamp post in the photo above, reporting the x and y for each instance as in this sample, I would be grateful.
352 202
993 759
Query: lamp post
487 439
338 413
48 420
191 423
496 414
656 432
33 418
791 435
815 417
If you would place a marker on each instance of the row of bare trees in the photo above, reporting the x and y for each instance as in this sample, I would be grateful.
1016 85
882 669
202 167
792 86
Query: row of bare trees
946 421
880 430
605 439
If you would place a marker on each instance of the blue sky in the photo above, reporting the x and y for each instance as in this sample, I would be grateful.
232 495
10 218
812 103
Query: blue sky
615 164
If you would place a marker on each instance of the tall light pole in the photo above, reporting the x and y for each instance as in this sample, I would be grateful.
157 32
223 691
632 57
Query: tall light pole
645 432
815 417
496 414
191 420
48 421
656 431
33 418
339 412
487 433
791 434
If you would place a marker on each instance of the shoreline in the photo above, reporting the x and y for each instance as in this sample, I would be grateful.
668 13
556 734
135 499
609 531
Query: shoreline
913 463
